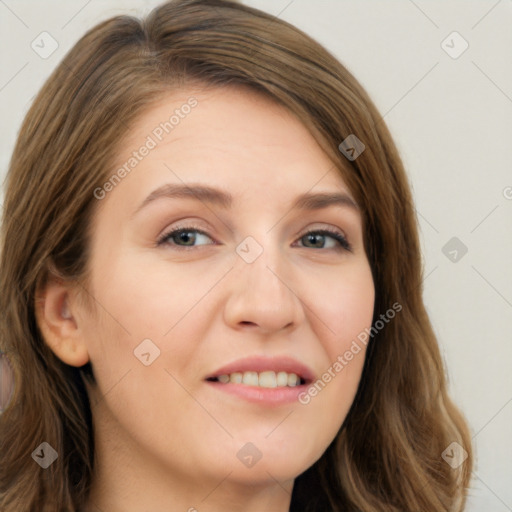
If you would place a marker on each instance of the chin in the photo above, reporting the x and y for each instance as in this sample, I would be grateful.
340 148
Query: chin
265 473
264 460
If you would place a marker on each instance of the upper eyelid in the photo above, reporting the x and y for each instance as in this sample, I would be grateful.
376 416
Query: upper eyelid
192 225
204 231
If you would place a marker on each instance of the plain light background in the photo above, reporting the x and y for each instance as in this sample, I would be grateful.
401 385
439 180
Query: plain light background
452 121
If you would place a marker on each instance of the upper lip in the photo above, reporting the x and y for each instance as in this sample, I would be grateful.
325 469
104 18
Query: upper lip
264 363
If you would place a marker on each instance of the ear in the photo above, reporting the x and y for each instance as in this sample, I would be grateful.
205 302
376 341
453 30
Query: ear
56 308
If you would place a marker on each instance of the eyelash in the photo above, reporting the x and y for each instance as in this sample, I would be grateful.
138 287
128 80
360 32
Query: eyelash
336 235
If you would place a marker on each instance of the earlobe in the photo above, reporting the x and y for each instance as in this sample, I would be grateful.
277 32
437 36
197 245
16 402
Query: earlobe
58 324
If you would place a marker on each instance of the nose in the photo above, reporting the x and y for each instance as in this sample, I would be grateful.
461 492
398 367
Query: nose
263 295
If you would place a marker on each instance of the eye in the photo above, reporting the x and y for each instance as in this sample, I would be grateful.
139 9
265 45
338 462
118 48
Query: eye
190 236
320 237
184 237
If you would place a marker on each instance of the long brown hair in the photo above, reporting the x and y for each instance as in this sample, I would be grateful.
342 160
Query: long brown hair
388 454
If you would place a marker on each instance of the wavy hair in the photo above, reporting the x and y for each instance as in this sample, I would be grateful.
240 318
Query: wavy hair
387 454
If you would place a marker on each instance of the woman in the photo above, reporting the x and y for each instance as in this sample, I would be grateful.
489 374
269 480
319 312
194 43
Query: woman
211 284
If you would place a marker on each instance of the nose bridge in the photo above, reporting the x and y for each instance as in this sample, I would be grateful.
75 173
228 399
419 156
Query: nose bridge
263 290
263 266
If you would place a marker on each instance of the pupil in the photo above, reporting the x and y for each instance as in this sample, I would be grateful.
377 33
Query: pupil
314 238
185 237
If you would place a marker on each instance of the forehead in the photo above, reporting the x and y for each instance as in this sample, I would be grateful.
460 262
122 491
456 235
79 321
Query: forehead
227 137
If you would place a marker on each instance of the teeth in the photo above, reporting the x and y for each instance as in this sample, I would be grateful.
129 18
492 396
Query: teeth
236 378
266 379
250 378
282 379
293 380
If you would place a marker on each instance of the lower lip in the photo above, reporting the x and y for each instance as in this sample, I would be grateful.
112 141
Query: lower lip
264 396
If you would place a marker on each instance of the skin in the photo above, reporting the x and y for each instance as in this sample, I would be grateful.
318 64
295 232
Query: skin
165 439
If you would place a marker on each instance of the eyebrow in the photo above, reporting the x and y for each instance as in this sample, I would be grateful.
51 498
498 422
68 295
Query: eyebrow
223 199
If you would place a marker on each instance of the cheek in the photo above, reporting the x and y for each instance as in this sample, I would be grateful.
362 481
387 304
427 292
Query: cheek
144 309
345 312
345 307
153 295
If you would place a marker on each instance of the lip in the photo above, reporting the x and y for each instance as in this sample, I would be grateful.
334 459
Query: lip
264 396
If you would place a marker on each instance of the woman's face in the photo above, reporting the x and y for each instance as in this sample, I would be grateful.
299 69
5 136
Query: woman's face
252 288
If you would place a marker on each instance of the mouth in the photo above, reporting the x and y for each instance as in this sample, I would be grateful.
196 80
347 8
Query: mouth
263 379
